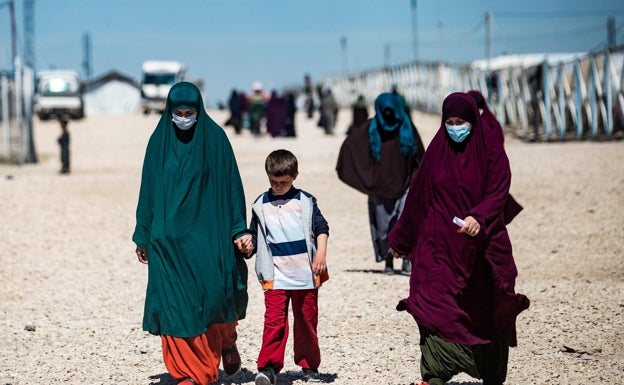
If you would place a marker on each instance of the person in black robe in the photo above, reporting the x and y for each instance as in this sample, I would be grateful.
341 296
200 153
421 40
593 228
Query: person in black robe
378 159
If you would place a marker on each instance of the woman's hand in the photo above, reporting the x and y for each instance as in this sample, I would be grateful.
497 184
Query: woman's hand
471 227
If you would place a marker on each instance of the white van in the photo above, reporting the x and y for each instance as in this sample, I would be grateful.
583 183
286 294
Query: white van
59 93
157 79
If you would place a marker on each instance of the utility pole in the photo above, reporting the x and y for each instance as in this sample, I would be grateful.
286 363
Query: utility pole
441 52
611 32
343 49
29 33
414 30
387 55
488 40
86 60
488 55
11 5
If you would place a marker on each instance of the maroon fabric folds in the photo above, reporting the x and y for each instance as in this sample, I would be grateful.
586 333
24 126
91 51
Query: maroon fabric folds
492 125
461 287
487 117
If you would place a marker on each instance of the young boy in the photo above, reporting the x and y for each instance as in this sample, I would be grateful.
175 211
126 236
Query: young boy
289 235
63 141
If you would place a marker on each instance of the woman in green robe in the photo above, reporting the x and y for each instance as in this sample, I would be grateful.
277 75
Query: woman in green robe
190 213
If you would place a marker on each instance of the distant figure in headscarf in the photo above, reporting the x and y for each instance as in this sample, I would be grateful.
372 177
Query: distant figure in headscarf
257 109
512 207
235 105
191 213
291 110
329 112
276 115
309 96
378 159
359 110
462 282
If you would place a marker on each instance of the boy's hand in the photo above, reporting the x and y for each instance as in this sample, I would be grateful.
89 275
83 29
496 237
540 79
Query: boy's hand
244 244
319 266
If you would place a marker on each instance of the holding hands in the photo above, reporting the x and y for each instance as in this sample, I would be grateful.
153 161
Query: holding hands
244 244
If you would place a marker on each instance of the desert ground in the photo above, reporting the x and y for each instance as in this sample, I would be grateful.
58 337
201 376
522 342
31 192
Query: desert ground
72 291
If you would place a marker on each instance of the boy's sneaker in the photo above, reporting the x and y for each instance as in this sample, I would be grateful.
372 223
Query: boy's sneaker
310 375
266 377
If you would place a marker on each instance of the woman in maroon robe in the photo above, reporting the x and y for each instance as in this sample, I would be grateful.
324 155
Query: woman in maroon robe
462 282
276 111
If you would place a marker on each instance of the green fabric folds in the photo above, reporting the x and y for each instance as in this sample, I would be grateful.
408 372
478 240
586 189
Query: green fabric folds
191 207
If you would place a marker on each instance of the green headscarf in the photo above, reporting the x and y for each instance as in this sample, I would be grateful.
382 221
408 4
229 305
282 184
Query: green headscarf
191 207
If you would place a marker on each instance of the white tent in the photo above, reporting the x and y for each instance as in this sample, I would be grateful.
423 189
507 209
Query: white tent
112 94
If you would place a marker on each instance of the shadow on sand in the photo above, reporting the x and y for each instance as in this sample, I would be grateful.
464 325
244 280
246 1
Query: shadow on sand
244 377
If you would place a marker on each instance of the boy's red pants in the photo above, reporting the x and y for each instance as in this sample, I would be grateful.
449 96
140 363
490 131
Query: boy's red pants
275 335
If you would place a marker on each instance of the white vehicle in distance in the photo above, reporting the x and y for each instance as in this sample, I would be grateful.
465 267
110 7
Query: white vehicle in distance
157 79
59 94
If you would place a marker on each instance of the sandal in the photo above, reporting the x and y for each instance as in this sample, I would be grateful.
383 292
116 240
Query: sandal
231 360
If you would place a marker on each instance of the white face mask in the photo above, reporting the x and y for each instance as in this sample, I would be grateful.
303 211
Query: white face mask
184 123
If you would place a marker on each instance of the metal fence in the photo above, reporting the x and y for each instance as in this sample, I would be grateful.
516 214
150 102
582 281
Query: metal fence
578 99
16 110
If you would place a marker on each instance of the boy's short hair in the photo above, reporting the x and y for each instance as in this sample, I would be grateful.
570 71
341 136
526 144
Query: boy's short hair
281 162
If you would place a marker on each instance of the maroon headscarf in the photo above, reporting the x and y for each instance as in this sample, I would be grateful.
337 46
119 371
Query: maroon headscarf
461 287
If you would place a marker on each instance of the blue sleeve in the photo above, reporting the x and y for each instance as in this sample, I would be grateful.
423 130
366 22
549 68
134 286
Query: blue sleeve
318 220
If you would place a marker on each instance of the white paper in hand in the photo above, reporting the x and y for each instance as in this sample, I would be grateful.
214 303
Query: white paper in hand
459 222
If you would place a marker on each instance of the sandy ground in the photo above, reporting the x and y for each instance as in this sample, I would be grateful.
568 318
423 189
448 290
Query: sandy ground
71 290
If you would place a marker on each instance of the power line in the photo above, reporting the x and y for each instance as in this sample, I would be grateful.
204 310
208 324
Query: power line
467 35
603 43
557 33
560 14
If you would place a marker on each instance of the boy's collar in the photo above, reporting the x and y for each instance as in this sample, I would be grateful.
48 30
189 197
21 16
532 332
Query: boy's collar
287 195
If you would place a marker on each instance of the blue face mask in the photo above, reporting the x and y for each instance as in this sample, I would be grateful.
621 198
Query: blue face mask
458 133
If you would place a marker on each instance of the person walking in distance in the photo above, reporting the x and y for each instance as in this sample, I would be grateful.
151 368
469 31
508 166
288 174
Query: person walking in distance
63 141
379 158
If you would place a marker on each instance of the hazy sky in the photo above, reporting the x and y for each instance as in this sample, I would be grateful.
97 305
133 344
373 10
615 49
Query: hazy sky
232 43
